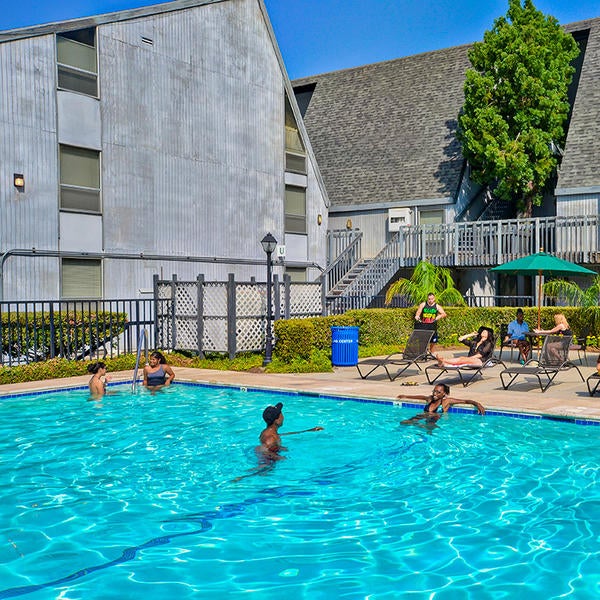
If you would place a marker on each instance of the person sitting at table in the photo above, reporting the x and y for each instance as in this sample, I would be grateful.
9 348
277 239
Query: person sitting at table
516 336
481 349
561 326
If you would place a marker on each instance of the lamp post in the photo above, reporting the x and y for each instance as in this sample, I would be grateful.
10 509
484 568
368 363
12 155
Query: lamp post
269 243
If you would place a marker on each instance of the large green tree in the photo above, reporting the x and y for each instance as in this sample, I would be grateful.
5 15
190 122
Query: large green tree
516 103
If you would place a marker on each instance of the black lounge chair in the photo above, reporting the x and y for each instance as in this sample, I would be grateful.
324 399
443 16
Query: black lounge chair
416 350
593 380
466 373
553 358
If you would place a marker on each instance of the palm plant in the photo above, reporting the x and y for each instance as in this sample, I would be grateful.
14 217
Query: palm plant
426 278
572 294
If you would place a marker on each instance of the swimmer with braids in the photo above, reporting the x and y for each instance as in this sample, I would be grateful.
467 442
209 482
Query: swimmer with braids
98 381
437 402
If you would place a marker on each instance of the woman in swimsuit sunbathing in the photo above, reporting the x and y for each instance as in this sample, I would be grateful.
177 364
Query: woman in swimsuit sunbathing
480 350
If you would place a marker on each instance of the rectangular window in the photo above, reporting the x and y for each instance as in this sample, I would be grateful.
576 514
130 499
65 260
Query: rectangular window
81 278
297 275
79 179
77 61
295 153
431 217
295 209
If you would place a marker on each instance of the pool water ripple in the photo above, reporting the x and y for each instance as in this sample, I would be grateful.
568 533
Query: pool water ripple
135 496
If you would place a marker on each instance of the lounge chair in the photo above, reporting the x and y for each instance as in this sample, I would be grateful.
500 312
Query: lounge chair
416 350
466 373
579 345
553 358
593 380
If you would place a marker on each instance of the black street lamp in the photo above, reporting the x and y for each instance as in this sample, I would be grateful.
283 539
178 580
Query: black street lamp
269 243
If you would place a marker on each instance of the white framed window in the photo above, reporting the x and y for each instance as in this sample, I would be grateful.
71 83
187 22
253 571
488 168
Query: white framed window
79 179
81 278
77 61
295 209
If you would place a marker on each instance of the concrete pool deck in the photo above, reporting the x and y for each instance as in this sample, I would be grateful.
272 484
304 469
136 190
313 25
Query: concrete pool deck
566 397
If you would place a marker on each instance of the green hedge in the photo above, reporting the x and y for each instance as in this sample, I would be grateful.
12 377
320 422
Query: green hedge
74 335
297 338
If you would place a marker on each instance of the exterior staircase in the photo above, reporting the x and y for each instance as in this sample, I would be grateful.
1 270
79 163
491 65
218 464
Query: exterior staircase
369 278
341 286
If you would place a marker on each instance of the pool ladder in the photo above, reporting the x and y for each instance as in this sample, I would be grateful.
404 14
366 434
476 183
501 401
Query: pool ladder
142 341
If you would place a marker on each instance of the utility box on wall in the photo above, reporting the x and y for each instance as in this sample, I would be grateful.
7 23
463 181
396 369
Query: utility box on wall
399 217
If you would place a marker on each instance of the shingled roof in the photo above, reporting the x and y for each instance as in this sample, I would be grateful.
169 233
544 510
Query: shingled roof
580 166
385 132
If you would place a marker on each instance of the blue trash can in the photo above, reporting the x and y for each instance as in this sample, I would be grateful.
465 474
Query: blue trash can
344 346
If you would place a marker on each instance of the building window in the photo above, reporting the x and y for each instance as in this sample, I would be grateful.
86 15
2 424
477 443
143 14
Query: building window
79 179
77 61
81 278
431 217
295 209
295 154
297 275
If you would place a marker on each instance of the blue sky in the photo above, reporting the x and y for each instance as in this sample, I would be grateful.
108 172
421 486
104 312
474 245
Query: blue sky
317 36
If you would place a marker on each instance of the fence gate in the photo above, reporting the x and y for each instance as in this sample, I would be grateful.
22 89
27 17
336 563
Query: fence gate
226 316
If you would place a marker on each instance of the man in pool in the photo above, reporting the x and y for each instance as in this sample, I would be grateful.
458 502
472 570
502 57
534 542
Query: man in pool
270 438
438 401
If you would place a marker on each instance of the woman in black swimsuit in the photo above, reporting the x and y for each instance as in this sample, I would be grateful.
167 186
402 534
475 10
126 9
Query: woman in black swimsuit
157 373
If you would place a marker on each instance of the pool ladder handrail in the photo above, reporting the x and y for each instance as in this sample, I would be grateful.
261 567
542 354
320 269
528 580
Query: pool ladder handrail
142 340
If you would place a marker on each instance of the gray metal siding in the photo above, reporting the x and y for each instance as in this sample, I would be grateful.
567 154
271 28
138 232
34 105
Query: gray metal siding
28 146
192 145
578 204
193 135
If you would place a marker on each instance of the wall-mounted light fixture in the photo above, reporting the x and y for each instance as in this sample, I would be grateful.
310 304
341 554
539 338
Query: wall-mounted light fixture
19 181
319 219
349 224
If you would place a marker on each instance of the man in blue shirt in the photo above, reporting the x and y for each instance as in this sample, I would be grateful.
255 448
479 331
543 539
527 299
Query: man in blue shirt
516 335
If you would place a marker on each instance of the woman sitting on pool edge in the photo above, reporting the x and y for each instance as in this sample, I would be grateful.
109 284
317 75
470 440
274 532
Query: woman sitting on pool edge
157 373
97 384
481 350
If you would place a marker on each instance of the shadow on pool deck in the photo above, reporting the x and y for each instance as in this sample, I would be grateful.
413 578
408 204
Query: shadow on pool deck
567 396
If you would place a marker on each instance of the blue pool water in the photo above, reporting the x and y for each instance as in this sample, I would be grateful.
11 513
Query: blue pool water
134 497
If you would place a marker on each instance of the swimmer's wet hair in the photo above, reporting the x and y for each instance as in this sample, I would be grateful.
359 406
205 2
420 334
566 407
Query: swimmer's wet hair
95 367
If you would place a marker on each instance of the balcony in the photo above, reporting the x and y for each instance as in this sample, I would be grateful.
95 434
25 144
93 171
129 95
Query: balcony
490 243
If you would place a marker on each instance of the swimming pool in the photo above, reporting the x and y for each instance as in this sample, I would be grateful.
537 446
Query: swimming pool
133 497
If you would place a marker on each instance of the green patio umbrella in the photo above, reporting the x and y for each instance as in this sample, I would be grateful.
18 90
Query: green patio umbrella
540 264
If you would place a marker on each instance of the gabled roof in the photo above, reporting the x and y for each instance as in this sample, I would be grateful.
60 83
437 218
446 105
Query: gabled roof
113 17
385 133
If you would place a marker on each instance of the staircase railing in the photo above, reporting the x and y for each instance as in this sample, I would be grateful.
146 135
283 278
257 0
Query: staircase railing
371 280
342 264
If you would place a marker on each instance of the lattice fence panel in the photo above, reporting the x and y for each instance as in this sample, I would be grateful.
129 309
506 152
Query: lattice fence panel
250 310
305 300
215 317
186 315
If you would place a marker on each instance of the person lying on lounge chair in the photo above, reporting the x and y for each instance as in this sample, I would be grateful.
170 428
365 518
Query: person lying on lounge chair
480 350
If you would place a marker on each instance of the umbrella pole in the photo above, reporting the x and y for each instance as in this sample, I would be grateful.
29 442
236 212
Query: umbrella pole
539 299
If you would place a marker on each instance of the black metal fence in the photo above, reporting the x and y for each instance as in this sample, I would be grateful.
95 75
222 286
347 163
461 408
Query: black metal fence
78 330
